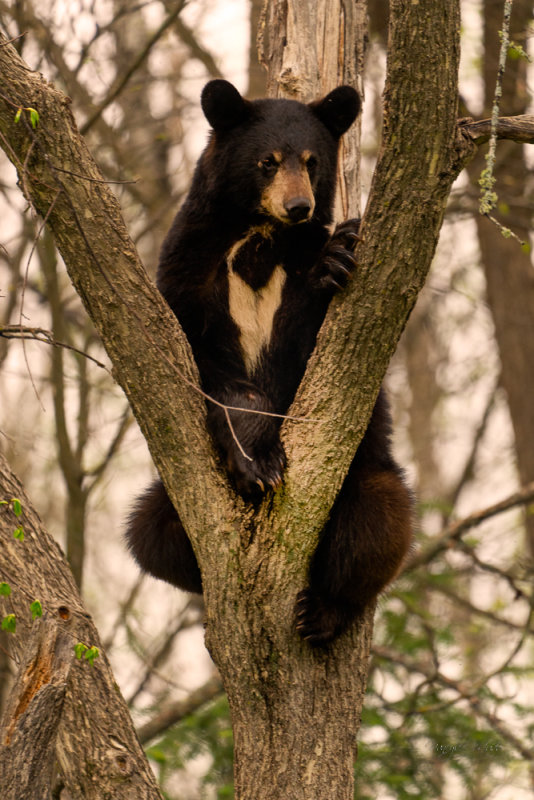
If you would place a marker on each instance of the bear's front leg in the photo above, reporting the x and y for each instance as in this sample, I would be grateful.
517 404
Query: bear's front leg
337 260
248 440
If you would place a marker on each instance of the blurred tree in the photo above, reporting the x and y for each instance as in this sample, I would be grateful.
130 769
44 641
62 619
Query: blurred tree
507 267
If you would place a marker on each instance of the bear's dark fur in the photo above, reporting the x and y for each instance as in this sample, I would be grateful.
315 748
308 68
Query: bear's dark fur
249 268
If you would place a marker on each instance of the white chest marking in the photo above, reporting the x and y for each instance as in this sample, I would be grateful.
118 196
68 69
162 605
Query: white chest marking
253 312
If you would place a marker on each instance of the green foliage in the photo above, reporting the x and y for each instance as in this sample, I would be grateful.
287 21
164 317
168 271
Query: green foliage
18 533
16 505
407 745
516 52
9 623
90 654
207 731
422 720
34 115
36 609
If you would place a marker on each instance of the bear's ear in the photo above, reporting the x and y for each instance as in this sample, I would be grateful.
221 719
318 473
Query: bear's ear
338 110
223 106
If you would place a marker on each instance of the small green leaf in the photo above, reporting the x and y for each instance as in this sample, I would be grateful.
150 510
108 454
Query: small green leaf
5 589
79 649
515 51
36 609
18 533
92 654
9 623
17 507
4 503
17 115
34 117
89 653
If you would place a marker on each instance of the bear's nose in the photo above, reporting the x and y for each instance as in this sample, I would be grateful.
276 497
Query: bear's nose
298 208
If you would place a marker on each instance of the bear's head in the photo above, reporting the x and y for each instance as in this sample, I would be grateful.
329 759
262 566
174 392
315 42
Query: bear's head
276 159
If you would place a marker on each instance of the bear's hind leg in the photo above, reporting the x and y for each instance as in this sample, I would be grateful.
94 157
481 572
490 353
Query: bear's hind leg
158 541
361 550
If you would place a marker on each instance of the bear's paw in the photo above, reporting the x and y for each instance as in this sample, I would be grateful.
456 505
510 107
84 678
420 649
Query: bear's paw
338 260
256 472
317 621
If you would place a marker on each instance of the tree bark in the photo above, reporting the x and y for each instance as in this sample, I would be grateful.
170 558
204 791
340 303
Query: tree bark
95 743
295 712
32 716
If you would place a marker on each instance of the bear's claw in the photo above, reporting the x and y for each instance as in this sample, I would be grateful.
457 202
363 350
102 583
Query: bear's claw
253 478
338 260
316 621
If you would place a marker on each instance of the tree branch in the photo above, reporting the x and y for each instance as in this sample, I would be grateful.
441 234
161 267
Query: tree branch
398 238
174 712
122 80
519 129
127 310
46 337
466 693
455 531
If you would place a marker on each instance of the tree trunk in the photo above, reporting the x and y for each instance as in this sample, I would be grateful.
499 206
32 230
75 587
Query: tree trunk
508 268
95 744
320 694
295 712
32 716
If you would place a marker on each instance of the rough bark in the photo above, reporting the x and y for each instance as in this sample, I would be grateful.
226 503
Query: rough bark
257 78
295 712
94 743
33 713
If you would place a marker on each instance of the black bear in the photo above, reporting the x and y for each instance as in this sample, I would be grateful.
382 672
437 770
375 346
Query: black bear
249 267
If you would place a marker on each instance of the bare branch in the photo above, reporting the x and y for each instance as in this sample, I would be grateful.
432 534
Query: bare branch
495 619
464 692
519 129
451 534
45 337
121 82
174 712
161 651
123 426
469 466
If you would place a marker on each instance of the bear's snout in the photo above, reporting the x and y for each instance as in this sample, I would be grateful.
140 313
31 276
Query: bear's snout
298 208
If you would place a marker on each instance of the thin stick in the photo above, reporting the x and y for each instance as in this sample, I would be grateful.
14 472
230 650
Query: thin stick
488 199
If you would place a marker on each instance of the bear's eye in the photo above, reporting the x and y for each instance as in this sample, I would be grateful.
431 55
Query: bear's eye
268 165
311 164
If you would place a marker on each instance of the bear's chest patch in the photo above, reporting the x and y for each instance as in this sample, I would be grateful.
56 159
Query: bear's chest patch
253 310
